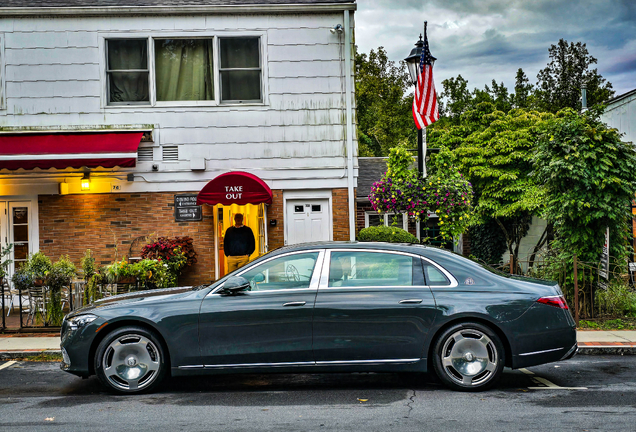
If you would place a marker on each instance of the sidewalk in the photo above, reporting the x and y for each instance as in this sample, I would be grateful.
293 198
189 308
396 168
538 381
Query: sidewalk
591 342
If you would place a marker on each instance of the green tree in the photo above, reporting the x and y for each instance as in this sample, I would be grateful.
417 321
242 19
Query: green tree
559 83
494 149
383 104
523 90
588 176
455 98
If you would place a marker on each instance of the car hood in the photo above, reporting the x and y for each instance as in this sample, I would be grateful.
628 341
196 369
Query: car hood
138 296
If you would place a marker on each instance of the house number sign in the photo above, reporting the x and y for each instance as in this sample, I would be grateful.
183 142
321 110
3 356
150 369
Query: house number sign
186 208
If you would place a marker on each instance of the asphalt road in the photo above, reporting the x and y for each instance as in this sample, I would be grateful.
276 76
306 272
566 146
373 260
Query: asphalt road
600 395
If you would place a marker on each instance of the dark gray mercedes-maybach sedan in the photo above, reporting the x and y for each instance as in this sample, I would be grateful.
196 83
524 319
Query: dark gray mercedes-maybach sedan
327 307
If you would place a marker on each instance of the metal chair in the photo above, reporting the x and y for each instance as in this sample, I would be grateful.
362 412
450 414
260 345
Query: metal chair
37 304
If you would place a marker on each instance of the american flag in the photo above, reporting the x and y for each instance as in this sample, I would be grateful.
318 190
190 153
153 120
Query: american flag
425 100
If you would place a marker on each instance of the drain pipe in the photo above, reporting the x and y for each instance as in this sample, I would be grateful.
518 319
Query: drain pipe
349 120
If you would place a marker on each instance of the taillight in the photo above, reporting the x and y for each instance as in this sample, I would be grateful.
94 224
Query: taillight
556 301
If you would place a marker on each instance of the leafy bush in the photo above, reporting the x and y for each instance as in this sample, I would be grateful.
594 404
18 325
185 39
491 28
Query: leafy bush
617 300
39 265
386 234
88 264
487 242
60 275
22 278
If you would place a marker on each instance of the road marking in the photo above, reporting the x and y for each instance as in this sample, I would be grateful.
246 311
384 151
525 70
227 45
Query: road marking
8 364
547 385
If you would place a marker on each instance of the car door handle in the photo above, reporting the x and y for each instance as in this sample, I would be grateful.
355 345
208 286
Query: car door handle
410 301
294 304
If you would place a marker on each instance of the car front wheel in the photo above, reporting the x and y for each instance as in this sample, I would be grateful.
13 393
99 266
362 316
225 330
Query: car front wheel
130 360
468 357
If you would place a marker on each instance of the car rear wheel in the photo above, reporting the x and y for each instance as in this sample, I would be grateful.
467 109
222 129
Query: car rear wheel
130 360
468 357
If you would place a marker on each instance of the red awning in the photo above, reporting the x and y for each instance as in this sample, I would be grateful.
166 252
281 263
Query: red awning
236 187
69 150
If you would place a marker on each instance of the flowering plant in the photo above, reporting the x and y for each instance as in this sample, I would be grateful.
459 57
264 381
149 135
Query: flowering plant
445 192
165 248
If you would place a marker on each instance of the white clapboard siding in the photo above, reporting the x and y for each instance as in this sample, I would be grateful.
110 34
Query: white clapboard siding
312 68
54 72
51 56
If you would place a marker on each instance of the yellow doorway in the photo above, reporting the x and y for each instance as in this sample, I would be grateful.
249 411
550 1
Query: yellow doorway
253 217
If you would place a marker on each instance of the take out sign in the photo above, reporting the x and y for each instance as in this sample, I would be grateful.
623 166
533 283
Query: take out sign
233 192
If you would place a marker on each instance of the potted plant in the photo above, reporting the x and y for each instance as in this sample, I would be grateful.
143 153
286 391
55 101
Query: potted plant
178 253
121 272
60 275
39 265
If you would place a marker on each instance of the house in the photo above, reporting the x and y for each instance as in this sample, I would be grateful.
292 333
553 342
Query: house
620 113
115 115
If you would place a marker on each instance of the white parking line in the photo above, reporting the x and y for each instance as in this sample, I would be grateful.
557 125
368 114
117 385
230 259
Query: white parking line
549 385
8 364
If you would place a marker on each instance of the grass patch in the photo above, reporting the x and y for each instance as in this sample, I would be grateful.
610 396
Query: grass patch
608 324
42 357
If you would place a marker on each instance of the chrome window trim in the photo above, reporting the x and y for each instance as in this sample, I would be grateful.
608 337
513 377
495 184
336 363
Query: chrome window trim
313 284
451 278
324 277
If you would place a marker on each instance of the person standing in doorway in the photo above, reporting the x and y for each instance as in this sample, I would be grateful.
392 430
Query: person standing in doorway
239 244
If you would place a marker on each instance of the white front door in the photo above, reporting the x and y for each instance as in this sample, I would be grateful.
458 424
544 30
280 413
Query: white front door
307 220
16 227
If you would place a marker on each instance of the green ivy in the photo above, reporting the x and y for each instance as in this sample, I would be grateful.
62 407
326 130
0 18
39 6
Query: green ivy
588 176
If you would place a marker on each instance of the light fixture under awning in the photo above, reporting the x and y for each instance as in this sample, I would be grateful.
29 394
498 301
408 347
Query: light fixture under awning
69 150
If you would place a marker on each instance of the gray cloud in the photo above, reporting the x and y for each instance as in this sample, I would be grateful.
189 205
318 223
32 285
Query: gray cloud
486 39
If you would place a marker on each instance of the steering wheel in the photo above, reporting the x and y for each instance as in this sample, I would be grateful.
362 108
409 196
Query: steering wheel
291 273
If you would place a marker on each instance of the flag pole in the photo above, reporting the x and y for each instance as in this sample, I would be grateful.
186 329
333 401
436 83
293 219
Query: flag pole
421 135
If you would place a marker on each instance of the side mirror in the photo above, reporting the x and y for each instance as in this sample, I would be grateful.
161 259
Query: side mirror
235 284
258 278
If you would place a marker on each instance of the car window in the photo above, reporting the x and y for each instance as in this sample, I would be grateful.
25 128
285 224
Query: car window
286 272
352 268
433 275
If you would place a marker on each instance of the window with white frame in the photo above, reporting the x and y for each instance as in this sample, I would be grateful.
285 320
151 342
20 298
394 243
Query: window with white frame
387 219
184 70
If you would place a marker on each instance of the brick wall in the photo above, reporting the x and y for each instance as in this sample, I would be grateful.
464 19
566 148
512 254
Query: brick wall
340 212
276 235
109 223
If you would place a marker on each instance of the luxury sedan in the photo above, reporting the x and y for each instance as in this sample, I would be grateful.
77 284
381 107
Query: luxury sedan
327 307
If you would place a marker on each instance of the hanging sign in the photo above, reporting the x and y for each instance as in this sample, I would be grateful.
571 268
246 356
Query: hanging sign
186 208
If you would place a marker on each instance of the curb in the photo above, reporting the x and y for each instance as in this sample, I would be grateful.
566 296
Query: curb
12 355
606 350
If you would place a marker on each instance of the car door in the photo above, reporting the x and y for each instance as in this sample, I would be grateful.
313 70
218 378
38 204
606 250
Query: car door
371 306
268 324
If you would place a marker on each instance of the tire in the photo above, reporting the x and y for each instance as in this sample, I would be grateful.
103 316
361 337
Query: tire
130 360
468 357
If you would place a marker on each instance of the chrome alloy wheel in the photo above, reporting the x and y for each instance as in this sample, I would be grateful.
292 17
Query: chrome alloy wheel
131 362
469 357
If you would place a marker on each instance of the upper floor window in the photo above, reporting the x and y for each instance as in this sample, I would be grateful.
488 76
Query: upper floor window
183 69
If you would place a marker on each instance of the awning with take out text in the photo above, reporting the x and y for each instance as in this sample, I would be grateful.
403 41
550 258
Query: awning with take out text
69 150
236 187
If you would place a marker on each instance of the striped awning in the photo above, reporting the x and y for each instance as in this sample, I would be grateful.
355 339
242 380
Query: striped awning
69 150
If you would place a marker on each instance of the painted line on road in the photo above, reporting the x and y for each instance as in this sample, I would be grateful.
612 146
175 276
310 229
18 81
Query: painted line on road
8 364
549 385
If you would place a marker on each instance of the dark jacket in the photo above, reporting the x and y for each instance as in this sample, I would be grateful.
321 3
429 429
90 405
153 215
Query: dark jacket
239 241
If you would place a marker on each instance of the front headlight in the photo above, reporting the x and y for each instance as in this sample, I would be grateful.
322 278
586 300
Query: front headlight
80 321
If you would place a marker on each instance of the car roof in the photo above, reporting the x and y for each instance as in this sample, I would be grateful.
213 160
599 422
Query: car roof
403 247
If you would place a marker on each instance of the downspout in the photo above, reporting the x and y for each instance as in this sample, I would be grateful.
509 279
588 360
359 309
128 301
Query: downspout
348 97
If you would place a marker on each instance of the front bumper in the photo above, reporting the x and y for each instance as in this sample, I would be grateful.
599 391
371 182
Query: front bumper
76 346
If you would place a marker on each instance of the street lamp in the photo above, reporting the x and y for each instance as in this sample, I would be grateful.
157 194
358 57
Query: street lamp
413 64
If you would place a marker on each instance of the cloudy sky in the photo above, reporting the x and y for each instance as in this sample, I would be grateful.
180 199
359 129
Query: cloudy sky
486 39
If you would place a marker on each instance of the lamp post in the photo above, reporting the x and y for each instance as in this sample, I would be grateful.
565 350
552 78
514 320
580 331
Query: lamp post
413 64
